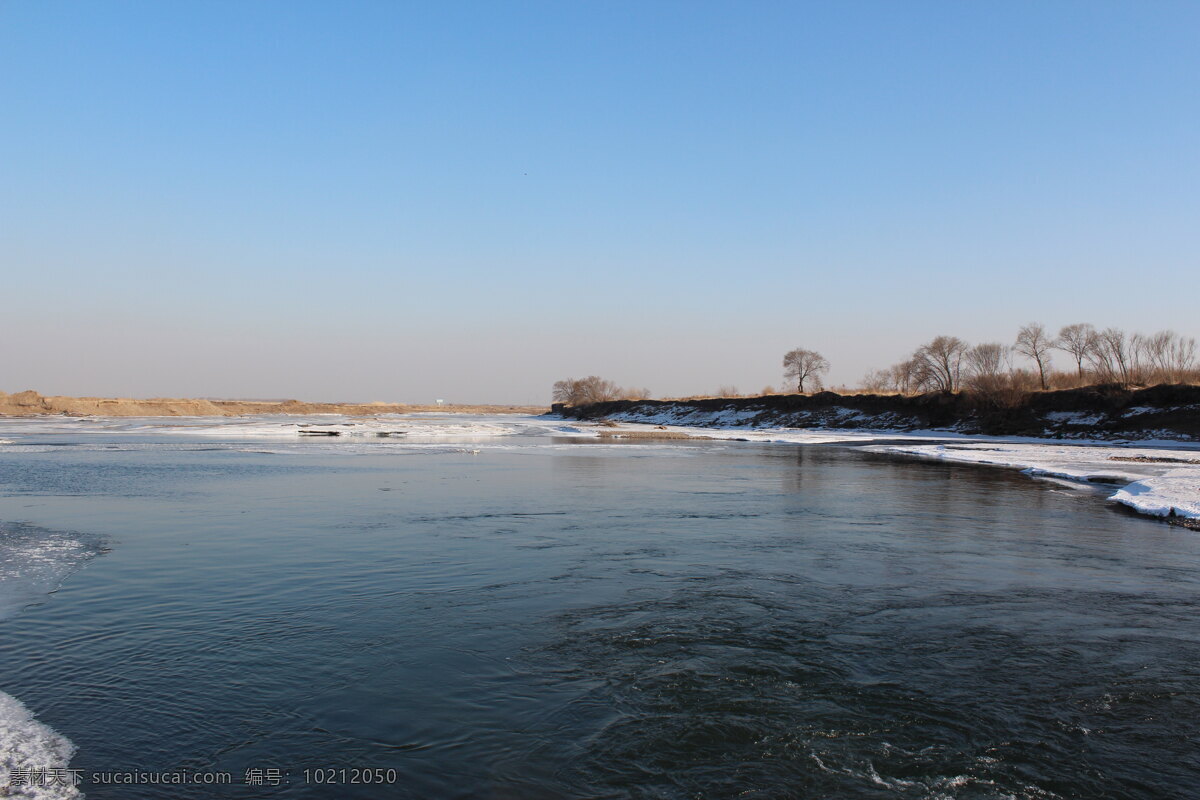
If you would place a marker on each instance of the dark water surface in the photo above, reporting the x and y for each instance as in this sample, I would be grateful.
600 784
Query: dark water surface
702 620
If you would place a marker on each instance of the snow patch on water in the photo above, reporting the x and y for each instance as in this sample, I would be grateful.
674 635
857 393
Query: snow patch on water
26 746
33 564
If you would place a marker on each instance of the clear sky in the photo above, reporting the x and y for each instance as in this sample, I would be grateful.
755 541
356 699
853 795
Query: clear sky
404 201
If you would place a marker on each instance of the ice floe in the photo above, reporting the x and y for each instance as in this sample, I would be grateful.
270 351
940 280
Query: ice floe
34 562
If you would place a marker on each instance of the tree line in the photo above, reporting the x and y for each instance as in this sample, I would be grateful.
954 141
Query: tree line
593 389
950 364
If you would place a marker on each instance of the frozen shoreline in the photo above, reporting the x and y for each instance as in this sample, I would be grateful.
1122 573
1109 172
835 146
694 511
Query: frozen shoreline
1160 478
1088 413
1159 483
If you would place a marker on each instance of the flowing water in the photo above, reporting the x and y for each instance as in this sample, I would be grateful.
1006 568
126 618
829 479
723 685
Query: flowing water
510 610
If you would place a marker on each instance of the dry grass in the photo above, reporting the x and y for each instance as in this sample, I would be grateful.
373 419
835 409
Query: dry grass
34 404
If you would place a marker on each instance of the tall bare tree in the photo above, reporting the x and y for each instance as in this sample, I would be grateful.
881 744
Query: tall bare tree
986 365
1181 357
1034 344
1111 356
801 365
1078 340
938 364
904 375
986 360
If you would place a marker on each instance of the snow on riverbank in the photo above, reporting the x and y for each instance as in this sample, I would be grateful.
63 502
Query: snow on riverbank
1160 412
1160 477
1159 482
1177 492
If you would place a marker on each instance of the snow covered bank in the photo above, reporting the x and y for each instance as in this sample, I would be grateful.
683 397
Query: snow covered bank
1177 493
1097 412
1159 482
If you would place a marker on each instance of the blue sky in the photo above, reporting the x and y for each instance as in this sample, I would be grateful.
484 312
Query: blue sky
393 201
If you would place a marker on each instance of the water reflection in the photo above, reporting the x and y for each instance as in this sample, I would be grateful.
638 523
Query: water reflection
706 619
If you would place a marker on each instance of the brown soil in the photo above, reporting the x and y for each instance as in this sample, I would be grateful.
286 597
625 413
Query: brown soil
30 403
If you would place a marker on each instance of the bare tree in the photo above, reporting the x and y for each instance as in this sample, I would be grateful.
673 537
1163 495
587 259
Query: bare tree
1111 356
900 378
801 365
581 391
987 366
1033 343
904 376
947 363
877 381
564 391
1181 357
1167 354
1078 340
727 391
1139 358
938 364
1156 349
986 360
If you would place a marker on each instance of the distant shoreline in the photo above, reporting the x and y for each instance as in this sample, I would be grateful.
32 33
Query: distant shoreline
1093 412
32 404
